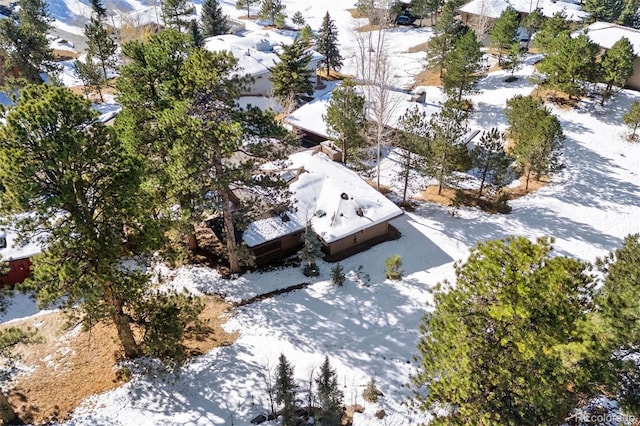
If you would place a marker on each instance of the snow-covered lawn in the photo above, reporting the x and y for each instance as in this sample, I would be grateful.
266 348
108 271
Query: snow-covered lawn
372 330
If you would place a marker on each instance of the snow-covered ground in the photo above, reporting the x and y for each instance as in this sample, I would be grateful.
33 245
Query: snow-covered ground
372 330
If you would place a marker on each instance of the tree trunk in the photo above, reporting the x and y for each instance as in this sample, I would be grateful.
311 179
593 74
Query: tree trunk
7 414
344 151
121 321
192 241
234 261
484 177
526 186
406 178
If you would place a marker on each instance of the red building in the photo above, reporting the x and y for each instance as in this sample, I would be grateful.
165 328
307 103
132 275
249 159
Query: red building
18 258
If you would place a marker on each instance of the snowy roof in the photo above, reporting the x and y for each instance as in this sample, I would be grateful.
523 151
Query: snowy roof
255 51
494 8
605 35
329 195
15 251
309 117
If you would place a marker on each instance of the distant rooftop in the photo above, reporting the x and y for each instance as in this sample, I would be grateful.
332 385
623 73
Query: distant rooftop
605 35
494 8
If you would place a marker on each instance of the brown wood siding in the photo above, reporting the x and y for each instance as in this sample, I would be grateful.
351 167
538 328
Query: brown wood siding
357 238
277 249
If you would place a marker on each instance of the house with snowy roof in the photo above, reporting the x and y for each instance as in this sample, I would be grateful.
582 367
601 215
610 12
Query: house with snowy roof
606 34
308 120
483 13
256 53
346 213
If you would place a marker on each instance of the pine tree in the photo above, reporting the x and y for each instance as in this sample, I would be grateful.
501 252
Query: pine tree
445 34
310 251
291 76
505 31
550 31
632 119
537 135
533 23
491 160
618 301
616 66
270 9
307 36
23 39
214 21
604 10
176 13
98 8
414 144
329 395
447 151
180 115
481 353
298 20
462 65
513 61
91 75
346 119
327 44
83 191
629 16
101 45
197 38
569 62
242 4
286 389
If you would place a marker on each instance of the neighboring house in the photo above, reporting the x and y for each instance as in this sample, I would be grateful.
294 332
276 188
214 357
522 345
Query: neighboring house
347 213
605 35
256 53
482 14
308 120
17 256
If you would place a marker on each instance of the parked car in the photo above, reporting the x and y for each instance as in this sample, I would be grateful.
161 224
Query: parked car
405 20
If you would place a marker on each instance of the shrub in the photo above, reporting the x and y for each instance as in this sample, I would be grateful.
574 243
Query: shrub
362 277
371 393
392 267
337 275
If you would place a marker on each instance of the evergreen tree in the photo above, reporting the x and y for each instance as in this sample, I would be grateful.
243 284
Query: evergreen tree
24 43
413 141
513 61
307 36
616 66
618 301
604 10
505 31
329 395
180 115
197 38
101 44
298 20
447 151
83 193
327 44
242 4
632 119
346 118
506 341
270 9
569 62
537 136
445 34
533 23
462 65
310 251
550 31
291 76
176 13
491 160
214 21
91 75
629 16
286 389
98 8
